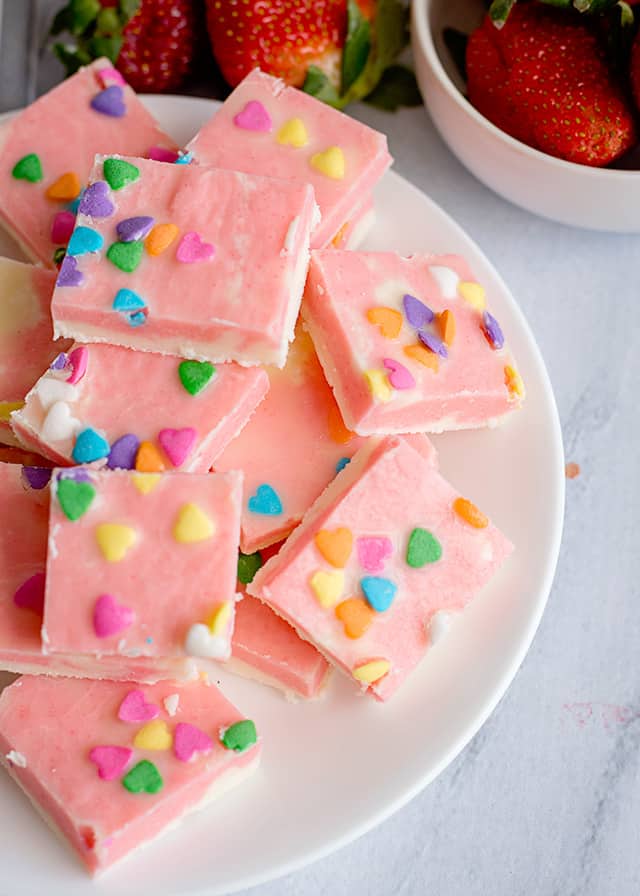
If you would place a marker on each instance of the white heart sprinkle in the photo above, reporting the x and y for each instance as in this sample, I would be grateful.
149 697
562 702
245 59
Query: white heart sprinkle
439 625
49 390
200 642
446 279
171 703
59 424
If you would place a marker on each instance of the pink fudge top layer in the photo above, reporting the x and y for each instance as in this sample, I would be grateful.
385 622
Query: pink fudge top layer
388 545
302 444
267 128
111 766
144 411
186 260
46 152
141 569
408 344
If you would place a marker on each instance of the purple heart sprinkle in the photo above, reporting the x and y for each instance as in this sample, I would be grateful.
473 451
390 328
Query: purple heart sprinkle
123 452
96 202
59 362
110 101
492 330
434 344
36 477
69 275
78 474
134 228
417 313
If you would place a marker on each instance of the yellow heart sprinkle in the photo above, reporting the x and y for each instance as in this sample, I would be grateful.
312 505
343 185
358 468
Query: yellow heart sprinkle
293 133
372 672
160 238
330 162
473 293
7 408
153 736
145 482
378 384
114 540
219 619
327 587
513 381
192 525
66 188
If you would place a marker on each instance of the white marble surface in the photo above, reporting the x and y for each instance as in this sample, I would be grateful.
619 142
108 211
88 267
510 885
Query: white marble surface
545 800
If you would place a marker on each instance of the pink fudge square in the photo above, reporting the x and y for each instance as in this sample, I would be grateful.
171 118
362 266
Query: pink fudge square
225 285
26 334
141 571
130 398
377 323
65 132
302 442
267 128
111 766
380 553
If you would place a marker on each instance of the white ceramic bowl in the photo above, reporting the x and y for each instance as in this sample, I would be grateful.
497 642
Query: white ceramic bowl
595 198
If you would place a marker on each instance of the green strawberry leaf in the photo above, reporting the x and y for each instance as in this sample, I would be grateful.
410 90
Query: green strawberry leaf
108 22
317 84
357 45
128 8
397 87
499 11
82 13
104 46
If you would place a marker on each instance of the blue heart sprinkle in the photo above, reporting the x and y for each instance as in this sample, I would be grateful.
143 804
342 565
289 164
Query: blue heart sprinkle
137 319
265 501
84 239
89 446
75 204
128 300
342 463
379 592
184 158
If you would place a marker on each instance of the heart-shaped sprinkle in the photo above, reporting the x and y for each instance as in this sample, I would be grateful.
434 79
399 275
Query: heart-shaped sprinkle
195 375
184 158
342 463
36 477
145 483
398 375
337 430
330 163
110 617
388 320
30 595
423 548
438 626
66 188
144 777
446 279
192 525
335 545
59 424
128 302
470 513
417 313
78 474
248 566
123 452
62 227
69 275
59 362
110 101
373 551
433 343
422 355
134 708
160 238
89 446
356 615
137 319
149 459
379 592
119 174
474 294
50 389
28 168
254 117
126 256
178 444
219 620
371 672
8 407
109 76
293 133
154 736
189 740
75 498
162 154
78 361
492 330
171 704
327 587
447 326
96 201
513 381
83 240
201 641
265 501
114 540
110 761
239 737
134 228
192 248
378 385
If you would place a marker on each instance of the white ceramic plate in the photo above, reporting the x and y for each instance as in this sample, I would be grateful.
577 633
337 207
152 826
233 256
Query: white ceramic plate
333 769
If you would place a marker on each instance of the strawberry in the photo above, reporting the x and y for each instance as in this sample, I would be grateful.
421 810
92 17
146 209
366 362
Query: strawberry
543 78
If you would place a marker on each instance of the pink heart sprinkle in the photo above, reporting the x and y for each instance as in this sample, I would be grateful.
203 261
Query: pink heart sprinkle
30 595
373 551
254 117
192 248
161 154
187 740
111 761
109 76
399 376
110 617
78 360
134 708
62 228
177 444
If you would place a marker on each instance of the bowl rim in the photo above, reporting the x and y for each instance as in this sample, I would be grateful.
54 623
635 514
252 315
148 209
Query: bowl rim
422 33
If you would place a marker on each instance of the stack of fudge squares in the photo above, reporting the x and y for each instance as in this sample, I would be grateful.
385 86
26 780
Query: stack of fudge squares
225 410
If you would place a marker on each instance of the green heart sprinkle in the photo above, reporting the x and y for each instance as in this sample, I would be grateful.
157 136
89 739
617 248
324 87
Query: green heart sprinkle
248 566
144 777
126 256
423 548
240 736
195 375
119 173
75 498
28 168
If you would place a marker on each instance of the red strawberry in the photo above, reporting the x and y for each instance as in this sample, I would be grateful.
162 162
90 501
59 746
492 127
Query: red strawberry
543 78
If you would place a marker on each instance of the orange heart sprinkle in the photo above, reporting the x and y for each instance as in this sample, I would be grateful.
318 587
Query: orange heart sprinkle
336 242
160 238
356 615
387 319
513 381
337 430
422 355
66 188
447 326
335 545
149 459
470 513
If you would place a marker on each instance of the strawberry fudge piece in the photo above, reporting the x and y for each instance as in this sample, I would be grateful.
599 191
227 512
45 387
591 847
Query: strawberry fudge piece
407 344
264 127
388 546
141 571
26 335
110 765
47 150
186 260
140 410
302 444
